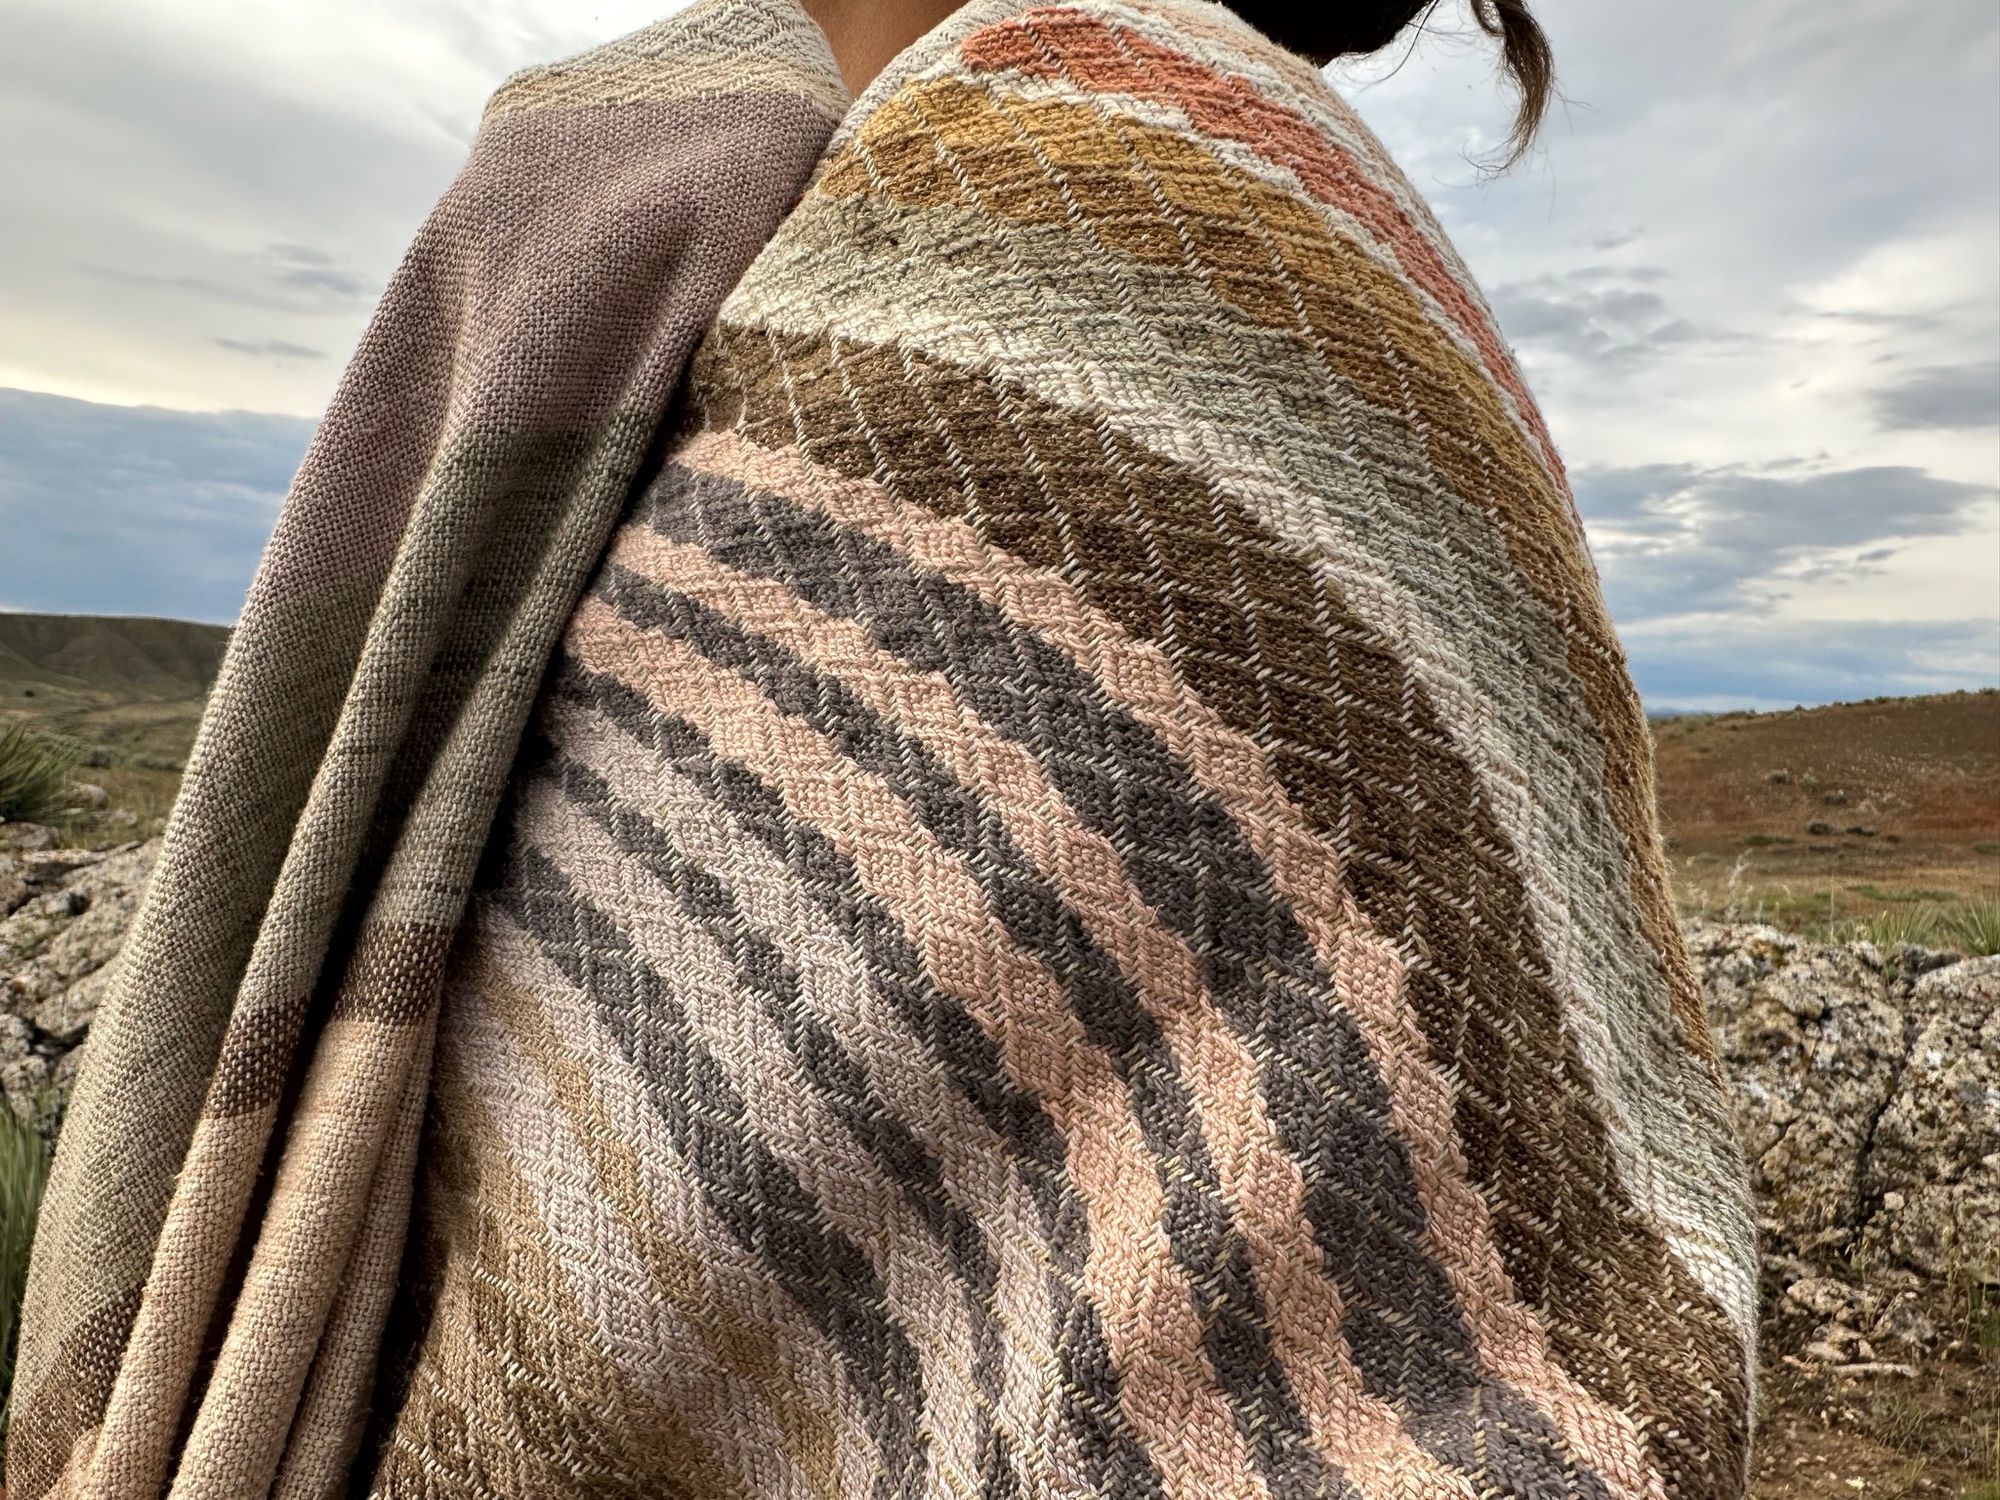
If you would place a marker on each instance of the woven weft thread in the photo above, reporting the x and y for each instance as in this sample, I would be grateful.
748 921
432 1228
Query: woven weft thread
1079 911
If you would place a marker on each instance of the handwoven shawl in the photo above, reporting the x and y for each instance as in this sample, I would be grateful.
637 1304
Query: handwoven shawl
1079 911
229 1194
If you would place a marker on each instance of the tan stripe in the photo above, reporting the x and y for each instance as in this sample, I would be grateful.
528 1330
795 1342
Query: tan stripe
1406 556
742 1354
1258 1176
709 49
1168 1393
606 80
333 1140
1156 195
787 1113
509 1373
1367 968
834 980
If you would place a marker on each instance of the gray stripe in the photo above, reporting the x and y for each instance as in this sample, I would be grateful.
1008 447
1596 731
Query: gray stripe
1191 864
967 1057
1496 1434
1189 861
751 1191
763 972
1205 1241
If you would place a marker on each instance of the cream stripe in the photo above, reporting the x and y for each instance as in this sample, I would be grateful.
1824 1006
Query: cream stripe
333 1411
344 1115
135 1440
1004 86
787 1113
785 1387
660 80
1259 1177
648 1336
528 1391
587 1238
834 981
1167 1391
1305 871
1414 563
710 48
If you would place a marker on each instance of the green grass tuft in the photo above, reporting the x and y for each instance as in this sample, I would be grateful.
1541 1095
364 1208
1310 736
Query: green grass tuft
34 775
1974 926
1891 927
24 1172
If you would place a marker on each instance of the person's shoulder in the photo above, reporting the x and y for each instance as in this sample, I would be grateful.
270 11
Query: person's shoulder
1130 47
700 55
1025 105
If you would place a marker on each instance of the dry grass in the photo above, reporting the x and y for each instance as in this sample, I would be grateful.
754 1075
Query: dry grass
24 1170
1881 816
35 774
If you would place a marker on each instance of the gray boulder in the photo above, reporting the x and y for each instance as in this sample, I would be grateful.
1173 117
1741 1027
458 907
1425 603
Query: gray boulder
55 950
1866 1090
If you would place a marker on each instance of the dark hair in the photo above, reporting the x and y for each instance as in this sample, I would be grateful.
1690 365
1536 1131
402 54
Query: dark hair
1341 28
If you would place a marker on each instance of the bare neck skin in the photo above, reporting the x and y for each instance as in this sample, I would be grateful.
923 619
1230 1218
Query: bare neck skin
865 34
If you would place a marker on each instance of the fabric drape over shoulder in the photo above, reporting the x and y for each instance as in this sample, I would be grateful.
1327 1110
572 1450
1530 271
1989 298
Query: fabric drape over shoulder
1077 909
227 1203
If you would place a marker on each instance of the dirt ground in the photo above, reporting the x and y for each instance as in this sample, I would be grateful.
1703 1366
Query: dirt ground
1885 1437
1816 815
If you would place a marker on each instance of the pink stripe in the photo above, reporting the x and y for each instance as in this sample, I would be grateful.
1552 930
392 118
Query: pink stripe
1367 969
1100 58
1363 1436
1169 1394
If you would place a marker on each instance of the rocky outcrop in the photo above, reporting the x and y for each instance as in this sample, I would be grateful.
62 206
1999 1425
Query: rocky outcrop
1866 1090
63 916
1867 1096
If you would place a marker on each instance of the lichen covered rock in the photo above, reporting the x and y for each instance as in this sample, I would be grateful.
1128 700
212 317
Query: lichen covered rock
56 946
1866 1089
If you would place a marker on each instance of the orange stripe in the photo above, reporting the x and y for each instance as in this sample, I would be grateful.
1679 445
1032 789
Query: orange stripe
1101 58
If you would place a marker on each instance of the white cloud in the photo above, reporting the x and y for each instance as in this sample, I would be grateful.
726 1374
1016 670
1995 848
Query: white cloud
186 154
1753 272
1754 275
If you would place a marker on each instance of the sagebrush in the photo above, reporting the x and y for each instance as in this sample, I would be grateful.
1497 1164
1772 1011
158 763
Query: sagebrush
34 774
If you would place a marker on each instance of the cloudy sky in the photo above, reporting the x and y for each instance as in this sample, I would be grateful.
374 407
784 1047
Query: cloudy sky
1753 270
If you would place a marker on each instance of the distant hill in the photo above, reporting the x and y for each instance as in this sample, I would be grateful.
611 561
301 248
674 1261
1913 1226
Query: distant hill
101 659
1828 812
129 690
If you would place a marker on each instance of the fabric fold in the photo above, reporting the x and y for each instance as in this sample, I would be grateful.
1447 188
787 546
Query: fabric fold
924 797
240 1143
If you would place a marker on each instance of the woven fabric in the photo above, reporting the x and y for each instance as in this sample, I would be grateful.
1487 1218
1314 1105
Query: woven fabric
1079 912
229 1196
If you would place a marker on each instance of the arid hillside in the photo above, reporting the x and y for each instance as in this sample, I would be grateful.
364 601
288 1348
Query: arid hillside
126 692
1884 813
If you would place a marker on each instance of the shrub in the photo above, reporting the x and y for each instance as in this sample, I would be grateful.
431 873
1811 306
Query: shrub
24 1171
1974 925
34 775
